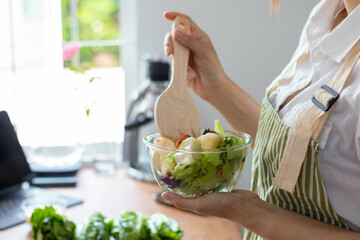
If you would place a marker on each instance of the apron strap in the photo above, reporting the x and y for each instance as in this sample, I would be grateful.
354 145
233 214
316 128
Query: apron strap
310 123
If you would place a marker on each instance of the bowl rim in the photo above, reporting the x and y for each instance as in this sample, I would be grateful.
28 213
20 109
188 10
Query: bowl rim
247 137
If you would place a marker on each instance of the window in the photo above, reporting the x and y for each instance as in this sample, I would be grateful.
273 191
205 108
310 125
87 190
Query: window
50 104
95 26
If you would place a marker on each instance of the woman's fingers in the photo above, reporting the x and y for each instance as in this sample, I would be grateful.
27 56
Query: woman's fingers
197 41
189 204
198 44
219 204
168 45
190 74
177 200
171 16
209 204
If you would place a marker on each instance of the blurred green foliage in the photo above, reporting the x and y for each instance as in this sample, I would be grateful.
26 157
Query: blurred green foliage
98 20
66 20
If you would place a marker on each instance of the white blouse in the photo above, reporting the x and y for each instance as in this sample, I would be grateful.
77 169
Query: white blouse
339 158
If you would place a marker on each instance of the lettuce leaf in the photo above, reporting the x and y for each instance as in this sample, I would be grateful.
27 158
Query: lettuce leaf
182 171
213 158
130 226
230 141
161 227
210 179
133 226
170 160
47 224
202 180
95 228
218 129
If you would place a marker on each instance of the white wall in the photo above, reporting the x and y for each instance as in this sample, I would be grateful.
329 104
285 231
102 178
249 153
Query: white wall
253 46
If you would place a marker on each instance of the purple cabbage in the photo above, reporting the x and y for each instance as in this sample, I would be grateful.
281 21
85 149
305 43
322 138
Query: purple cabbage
172 183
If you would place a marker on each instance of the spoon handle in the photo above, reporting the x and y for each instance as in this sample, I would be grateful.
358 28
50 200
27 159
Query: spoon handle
175 112
180 58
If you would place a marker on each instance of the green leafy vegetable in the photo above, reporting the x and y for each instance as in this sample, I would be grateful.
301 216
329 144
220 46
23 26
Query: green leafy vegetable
48 225
182 171
230 141
170 160
161 227
134 226
218 129
213 158
130 226
97 227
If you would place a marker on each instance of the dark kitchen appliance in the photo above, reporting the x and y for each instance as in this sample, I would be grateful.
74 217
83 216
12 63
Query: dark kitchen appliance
140 118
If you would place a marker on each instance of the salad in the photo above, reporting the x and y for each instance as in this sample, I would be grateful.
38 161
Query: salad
212 162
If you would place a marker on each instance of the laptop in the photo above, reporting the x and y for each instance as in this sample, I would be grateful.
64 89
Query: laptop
14 172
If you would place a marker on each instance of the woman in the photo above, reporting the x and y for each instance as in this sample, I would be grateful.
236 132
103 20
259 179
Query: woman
306 157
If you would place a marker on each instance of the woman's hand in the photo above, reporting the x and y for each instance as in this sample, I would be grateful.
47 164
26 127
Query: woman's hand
205 73
266 220
208 80
225 205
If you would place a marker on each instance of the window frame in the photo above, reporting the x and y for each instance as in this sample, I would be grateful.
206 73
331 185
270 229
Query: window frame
129 44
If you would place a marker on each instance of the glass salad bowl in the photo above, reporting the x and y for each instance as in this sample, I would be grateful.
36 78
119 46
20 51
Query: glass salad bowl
193 167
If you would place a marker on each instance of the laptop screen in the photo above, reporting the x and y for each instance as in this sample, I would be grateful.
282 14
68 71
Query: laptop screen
14 168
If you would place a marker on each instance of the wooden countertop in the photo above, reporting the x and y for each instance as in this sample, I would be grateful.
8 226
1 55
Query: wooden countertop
110 195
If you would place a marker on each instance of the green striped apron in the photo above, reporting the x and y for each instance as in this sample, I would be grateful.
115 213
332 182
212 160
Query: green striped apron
309 198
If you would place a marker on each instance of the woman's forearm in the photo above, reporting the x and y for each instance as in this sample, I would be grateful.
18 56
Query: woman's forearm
238 108
272 222
268 221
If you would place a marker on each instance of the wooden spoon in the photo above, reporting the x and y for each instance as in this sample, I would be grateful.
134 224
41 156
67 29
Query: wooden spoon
175 112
